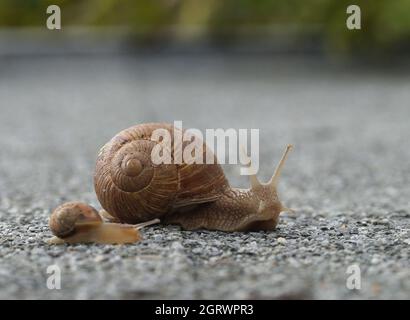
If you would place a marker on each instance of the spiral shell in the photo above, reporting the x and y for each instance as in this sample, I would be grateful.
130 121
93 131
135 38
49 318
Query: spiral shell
133 189
64 218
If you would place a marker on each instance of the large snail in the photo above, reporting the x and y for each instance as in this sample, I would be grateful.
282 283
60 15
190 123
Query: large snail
133 190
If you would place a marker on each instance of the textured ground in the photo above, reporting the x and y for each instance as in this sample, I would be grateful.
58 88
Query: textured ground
348 177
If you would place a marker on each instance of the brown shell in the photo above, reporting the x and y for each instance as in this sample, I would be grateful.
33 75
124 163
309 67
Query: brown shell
64 218
133 189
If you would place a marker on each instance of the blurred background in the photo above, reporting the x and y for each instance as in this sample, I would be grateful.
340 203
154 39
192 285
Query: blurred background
264 25
289 68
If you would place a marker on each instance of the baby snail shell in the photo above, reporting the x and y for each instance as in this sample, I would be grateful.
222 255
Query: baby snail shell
76 222
132 189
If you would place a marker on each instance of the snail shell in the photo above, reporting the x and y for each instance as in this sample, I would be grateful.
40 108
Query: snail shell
133 189
64 218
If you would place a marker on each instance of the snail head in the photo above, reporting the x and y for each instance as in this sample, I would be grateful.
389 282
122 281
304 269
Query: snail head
269 206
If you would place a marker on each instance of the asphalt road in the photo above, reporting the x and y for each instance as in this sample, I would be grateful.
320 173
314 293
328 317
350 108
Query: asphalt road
348 177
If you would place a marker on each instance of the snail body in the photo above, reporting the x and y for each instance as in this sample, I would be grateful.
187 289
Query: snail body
132 189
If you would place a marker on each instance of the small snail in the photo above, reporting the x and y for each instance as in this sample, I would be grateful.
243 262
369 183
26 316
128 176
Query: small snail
132 189
75 222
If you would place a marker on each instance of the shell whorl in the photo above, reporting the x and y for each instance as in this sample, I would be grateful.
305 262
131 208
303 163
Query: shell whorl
131 169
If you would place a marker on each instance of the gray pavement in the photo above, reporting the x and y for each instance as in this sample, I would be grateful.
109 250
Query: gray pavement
348 177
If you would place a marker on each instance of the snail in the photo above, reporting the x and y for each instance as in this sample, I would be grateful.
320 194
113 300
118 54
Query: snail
132 189
75 222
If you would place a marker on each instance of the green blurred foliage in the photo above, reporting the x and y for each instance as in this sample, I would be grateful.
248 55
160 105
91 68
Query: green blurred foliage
385 23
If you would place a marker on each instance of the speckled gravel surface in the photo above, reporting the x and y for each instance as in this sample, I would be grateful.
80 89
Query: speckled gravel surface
348 178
